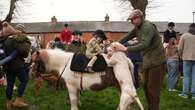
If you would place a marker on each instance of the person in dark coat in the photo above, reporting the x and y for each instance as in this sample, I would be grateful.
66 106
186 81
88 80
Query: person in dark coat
17 67
77 45
7 30
169 33
76 37
56 43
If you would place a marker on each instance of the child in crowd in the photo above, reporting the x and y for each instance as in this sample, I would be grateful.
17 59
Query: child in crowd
93 48
172 63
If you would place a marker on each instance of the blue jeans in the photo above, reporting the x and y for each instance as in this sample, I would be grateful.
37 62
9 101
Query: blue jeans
136 74
22 75
136 59
173 73
188 70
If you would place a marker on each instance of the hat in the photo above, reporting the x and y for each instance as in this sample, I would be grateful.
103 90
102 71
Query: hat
192 25
192 28
135 13
57 39
77 32
171 24
65 24
100 33
20 27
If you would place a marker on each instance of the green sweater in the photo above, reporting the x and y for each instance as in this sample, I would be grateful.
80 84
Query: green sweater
149 43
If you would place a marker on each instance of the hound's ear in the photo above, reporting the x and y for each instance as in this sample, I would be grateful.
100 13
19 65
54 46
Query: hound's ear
114 49
114 46
111 46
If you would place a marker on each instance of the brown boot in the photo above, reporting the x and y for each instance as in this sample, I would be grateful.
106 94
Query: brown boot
8 104
19 102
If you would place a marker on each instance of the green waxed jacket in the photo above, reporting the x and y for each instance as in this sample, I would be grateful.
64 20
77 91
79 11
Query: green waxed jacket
20 43
149 43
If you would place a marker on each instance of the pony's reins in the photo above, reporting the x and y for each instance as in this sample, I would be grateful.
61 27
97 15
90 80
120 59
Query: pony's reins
63 70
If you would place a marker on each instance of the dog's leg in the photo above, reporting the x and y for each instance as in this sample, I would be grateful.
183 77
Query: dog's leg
123 101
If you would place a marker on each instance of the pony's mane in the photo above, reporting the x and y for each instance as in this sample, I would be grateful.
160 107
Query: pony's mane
58 58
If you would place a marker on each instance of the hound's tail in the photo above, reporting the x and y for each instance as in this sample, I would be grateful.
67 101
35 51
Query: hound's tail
139 103
131 67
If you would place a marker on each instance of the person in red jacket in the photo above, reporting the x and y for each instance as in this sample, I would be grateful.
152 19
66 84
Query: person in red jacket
66 35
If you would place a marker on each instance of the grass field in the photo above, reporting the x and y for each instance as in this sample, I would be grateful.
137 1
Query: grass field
103 100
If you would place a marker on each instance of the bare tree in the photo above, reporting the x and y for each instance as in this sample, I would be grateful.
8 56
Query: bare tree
139 4
136 4
9 16
11 10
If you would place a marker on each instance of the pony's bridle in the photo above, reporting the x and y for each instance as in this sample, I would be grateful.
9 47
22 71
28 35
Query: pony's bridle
38 65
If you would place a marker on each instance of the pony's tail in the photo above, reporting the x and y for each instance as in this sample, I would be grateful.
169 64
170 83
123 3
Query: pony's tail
139 103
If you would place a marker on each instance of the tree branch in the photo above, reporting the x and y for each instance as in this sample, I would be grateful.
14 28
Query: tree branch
11 11
139 4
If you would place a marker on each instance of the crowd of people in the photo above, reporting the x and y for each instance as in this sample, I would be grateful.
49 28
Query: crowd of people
178 53
186 49
150 55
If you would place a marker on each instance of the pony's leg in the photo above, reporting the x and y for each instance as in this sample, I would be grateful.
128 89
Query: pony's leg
37 85
73 95
78 95
54 86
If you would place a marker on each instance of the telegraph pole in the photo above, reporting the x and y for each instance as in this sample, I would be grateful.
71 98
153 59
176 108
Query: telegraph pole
1 14
193 16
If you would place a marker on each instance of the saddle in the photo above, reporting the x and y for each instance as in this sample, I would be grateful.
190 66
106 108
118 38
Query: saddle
79 63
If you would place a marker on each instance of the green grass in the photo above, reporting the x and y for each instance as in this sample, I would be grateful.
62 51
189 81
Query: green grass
103 100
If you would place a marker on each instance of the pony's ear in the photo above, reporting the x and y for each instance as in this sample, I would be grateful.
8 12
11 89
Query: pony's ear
38 53
35 55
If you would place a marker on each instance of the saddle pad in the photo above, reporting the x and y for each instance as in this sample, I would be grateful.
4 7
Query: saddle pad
79 63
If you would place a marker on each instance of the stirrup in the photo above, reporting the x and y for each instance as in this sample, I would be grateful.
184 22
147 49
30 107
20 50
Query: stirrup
89 69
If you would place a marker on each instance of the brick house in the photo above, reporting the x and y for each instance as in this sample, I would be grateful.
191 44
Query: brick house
115 30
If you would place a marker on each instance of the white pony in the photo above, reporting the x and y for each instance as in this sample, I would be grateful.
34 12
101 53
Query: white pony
121 77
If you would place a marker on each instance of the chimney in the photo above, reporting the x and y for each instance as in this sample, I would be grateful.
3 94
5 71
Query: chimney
107 18
53 19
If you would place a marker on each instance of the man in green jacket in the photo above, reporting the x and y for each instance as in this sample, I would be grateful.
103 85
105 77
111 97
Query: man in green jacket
150 45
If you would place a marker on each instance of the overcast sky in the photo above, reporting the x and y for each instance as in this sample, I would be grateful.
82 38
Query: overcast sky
95 10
